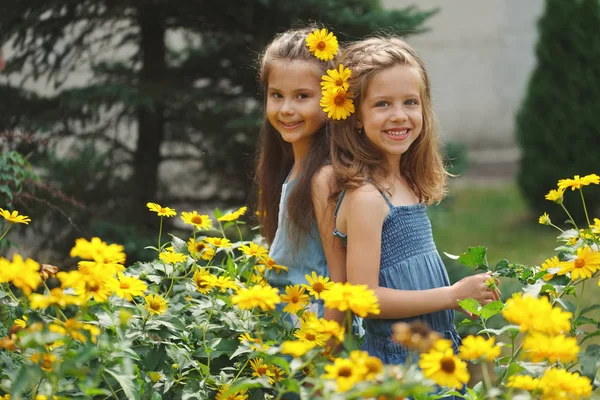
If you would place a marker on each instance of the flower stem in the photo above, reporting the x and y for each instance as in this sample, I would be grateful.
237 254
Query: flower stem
6 231
584 207
160 233
486 375
570 217
579 300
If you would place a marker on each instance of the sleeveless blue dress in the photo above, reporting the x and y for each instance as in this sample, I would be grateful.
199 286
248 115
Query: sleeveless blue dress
409 261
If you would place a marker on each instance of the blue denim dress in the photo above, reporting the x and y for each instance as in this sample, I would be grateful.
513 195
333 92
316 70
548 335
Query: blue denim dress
409 261
300 260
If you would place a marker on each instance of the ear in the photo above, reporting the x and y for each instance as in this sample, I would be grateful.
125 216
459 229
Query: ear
359 123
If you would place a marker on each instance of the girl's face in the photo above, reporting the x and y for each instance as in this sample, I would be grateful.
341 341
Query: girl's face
293 96
390 111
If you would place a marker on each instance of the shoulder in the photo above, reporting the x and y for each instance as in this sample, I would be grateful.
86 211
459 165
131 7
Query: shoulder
368 201
323 182
324 178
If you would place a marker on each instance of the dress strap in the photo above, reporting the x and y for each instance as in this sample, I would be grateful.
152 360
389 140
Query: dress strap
389 203
339 203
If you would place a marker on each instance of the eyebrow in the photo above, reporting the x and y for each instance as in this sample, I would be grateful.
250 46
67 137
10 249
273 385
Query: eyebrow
410 95
296 90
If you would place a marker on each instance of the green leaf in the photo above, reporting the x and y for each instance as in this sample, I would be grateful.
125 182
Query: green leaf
470 305
474 257
491 309
590 360
127 384
27 377
590 308
156 396
178 245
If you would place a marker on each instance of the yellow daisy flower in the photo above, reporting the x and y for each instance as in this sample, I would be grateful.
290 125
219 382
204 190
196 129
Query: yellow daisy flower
444 368
224 283
555 195
586 264
552 266
196 220
536 314
523 382
45 361
14 217
195 247
322 44
220 243
260 369
155 304
224 394
272 265
254 250
296 348
357 298
544 219
296 299
207 254
558 383
161 211
254 343
316 284
578 183
373 365
170 257
21 323
476 347
233 215
311 335
127 286
265 297
345 372
204 280
98 251
595 227
336 79
539 347
337 105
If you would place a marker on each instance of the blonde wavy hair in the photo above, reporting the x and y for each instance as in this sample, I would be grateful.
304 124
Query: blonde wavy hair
354 157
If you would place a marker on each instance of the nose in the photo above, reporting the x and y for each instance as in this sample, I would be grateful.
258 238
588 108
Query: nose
399 114
287 108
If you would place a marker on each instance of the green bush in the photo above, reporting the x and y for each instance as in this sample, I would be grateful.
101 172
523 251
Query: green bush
557 125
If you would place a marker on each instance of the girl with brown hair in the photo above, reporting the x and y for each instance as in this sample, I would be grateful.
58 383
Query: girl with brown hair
388 166
294 175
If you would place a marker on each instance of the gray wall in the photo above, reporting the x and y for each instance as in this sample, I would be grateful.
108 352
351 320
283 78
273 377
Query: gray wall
479 54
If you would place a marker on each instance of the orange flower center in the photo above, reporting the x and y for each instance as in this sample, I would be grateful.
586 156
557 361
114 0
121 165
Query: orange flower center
321 45
294 299
162 210
310 336
339 82
155 305
318 287
200 246
448 365
124 285
579 263
339 99
196 219
261 370
345 372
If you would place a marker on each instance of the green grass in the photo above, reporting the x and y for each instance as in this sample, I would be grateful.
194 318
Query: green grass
494 217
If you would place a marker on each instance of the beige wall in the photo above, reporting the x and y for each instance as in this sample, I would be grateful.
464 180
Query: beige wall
479 54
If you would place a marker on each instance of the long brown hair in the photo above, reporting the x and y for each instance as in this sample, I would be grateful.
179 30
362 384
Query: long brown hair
275 156
355 159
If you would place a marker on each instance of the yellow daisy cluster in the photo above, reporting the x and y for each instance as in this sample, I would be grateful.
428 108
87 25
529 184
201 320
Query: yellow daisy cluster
24 274
554 384
347 372
322 326
536 314
478 348
263 296
357 298
205 282
199 248
336 100
442 366
556 195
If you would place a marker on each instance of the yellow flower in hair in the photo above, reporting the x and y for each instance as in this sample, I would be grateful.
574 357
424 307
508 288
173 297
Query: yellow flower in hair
322 44
337 105
336 79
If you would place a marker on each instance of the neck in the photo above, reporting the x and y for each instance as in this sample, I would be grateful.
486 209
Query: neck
393 162
300 149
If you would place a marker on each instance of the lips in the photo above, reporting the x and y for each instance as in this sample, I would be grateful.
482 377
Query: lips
397 134
290 125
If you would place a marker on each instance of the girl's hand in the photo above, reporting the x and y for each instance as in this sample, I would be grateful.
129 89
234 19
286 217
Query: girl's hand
477 287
